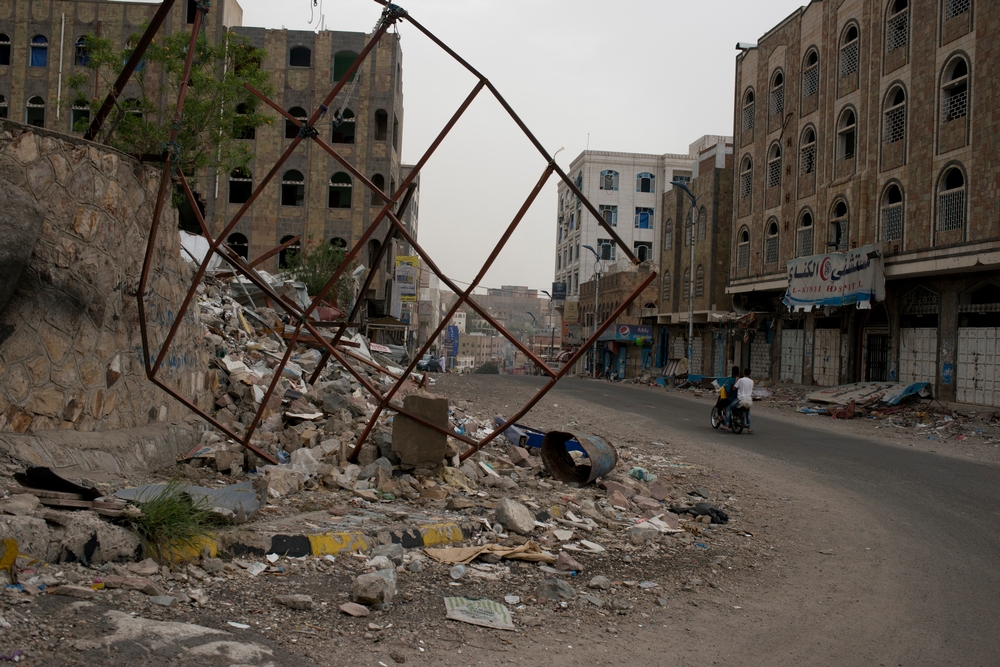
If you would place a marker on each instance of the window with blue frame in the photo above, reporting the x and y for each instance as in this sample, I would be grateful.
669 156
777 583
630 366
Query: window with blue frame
610 214
645 182
643 217
607 247
609 180
572 221
579 180
39 51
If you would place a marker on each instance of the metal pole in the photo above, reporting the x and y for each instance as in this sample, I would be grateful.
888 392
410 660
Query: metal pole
597 300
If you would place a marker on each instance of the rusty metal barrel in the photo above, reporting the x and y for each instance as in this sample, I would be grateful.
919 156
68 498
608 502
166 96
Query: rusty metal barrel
595 457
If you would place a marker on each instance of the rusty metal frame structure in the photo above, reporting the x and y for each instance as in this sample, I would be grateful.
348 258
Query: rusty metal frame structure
392 210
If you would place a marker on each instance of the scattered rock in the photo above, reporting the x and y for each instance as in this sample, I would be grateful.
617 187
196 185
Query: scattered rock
567 563
354 609
393 552
642 532
146 568
601 582
297 601
374 588
515 516
163 600
554 589
73 591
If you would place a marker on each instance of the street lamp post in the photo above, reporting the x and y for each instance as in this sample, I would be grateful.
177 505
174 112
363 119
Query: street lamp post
597 293
552 325
694 201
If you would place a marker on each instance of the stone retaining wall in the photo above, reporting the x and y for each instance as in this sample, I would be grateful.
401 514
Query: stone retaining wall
70 348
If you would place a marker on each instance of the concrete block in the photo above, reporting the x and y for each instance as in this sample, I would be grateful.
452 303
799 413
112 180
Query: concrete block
415 443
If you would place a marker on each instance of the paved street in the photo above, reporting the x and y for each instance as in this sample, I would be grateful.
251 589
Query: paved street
929 595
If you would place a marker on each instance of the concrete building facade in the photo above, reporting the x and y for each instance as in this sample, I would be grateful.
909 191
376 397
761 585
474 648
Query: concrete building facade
872 122
709 230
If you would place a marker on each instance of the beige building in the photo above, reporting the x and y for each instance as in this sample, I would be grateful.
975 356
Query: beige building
872 122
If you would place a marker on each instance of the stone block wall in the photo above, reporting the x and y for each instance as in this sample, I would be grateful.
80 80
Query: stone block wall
70 349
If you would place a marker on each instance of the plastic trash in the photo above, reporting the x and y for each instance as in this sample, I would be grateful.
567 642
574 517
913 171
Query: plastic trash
641 474
457 572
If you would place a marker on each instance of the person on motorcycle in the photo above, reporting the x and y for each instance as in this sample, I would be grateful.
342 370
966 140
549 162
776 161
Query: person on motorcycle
744 396
727 392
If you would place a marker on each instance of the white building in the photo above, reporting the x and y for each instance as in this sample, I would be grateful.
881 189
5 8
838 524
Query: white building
458 320
627 189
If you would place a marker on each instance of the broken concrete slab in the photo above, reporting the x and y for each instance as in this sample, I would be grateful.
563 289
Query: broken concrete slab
416 444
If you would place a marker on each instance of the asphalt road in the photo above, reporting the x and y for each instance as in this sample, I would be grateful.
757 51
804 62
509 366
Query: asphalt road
920 579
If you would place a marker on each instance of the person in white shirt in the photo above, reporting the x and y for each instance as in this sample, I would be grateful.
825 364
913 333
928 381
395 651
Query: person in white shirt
744 396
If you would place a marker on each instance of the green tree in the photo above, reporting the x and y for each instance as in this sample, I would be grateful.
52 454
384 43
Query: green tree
218 110
314 268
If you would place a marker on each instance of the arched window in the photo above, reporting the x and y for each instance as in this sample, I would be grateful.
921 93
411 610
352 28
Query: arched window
777 105
897 25
342 61
895 116
645 182
839 228
807 152
702 223
643 217
34 112
689 230
774 165
665 290
668 235
395 132
285 255
850 46
133 107
378 180
39 51
299 56
953 8
291 129
746 177
810 74
3 106
609 180
846 135
343 127
381 125
338 242
955 90
743 250
643 250
748 110
804 241
4 49
82 58
242 129
239 244
240 186
373 247
951 200
699 282
771 242
293 188
892 213
341 188
80 114
686 286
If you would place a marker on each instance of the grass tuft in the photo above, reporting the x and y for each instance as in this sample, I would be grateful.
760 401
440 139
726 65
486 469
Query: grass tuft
171 522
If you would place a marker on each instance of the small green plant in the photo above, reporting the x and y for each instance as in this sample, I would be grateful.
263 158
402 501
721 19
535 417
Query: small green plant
314 268
489 368
171 521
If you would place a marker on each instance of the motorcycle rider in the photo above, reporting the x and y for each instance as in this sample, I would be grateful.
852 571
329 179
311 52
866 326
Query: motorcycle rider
727 391
743 390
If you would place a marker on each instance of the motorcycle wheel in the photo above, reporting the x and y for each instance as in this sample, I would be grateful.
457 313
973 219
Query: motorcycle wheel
716 417
736 423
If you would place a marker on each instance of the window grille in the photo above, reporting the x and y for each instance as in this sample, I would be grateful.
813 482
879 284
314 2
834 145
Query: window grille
810 81
774 172
771 249
777 101
895 124
743 255
665 282
668 235
955 104
686 287
805 241
699 283
808 159
840 232
897 30
748 112
746 181
953 8
892 222
951 213
702 224
849 59
687 231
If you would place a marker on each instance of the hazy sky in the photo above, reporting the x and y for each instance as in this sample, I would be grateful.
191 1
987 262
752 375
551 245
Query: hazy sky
646 76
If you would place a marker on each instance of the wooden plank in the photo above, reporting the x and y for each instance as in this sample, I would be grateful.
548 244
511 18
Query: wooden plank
42 493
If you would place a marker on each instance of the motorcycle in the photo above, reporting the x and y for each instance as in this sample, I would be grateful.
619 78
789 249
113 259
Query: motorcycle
738 420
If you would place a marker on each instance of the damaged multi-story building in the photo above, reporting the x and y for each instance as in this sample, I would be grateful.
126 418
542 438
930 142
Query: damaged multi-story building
864 139
313 197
